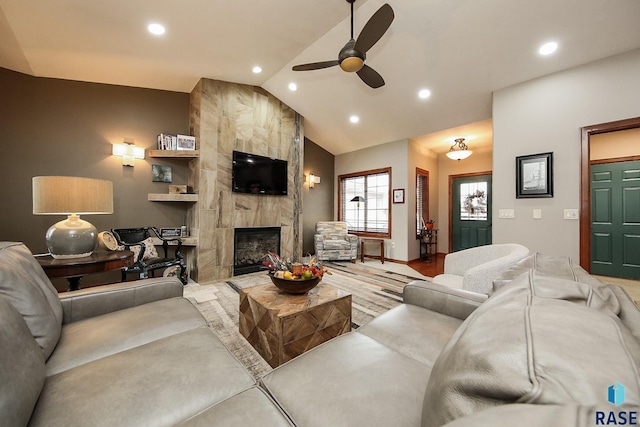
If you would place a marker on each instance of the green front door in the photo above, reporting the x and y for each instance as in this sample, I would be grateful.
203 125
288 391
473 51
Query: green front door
471 212
615 219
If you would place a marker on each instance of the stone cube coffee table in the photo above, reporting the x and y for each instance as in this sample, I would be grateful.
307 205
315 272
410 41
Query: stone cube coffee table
281 326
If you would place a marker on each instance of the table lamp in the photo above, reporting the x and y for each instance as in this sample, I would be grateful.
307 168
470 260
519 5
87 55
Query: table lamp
72 196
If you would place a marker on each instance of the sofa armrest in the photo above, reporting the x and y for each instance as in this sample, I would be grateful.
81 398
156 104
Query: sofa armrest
91 302
353 240
442 299
318 240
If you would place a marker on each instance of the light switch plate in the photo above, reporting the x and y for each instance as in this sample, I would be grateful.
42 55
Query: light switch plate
506 213
571 214
537 214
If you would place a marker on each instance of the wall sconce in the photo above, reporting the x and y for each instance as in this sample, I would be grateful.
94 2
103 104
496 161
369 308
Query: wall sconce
313 180
128 152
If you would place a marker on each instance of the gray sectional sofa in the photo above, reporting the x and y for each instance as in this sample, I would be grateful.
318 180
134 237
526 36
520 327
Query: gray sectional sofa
134 353
541 350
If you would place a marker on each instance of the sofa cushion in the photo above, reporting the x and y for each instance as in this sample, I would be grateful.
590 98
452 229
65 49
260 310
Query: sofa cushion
21 368
413 331
351 380
96 337
30 291
523 415
531 349
534 283
249 408
451 280
554 266
161 383
333 244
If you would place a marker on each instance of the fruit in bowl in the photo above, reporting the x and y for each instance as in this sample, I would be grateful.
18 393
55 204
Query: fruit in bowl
294 278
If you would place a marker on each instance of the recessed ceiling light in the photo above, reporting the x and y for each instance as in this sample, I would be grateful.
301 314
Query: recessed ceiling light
156 29
293 87
257 70
424 93
548 48
354 119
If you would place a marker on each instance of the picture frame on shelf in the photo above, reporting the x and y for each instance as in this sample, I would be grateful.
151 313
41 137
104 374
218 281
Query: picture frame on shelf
171 232
398 195
534 176
186 142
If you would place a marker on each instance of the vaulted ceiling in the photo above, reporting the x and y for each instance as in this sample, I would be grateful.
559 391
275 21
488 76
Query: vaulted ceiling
460 50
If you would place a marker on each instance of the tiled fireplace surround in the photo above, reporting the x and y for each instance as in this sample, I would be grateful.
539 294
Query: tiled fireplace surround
225 117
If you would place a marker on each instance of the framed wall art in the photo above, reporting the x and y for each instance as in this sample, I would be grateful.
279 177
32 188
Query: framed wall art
398 195
534 176
161 173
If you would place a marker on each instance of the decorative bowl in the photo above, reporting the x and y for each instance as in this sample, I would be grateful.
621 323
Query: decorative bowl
299 286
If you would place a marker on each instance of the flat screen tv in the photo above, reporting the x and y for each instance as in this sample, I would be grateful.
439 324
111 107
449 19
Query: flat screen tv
253 174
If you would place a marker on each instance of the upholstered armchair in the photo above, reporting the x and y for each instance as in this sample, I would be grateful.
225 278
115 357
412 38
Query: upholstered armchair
333 242
475 269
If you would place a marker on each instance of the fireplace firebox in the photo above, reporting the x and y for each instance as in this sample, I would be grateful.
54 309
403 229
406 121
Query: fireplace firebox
251 245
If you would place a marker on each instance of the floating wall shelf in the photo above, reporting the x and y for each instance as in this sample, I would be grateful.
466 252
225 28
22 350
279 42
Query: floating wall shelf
184 154
162 197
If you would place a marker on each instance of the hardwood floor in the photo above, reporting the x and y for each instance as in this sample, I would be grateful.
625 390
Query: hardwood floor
430 269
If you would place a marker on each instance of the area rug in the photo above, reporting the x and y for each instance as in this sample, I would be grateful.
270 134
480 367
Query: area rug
373 292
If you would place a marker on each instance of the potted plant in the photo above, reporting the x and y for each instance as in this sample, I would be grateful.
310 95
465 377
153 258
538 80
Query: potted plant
427 232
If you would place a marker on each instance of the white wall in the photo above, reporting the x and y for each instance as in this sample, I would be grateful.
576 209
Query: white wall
546 114
394 155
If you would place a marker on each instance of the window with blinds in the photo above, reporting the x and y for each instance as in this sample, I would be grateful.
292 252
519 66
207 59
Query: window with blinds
371 215
422 199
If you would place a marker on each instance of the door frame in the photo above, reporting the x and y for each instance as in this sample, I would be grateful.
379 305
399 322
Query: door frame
451 178
585 180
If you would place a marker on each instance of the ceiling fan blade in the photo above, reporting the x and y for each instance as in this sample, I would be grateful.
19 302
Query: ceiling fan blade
371 77
375 28
315 65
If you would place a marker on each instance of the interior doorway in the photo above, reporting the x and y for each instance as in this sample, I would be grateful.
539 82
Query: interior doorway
470 200
609 190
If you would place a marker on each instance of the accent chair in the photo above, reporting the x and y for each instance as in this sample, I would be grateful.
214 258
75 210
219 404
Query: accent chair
333 242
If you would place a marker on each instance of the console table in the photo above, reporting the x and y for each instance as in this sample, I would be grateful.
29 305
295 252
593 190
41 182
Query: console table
73 269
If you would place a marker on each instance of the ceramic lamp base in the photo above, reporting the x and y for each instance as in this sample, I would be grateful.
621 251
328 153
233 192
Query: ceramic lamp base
71 238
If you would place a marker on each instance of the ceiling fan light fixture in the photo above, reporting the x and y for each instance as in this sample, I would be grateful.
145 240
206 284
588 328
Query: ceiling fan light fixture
459 150
352 64
352 56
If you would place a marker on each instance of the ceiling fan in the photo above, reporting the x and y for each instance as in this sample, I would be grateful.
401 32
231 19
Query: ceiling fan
353 55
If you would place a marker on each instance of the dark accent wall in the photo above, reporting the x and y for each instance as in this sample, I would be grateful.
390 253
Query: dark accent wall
61 127
317 201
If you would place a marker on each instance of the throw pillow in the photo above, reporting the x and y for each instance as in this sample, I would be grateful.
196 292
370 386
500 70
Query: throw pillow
149 250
